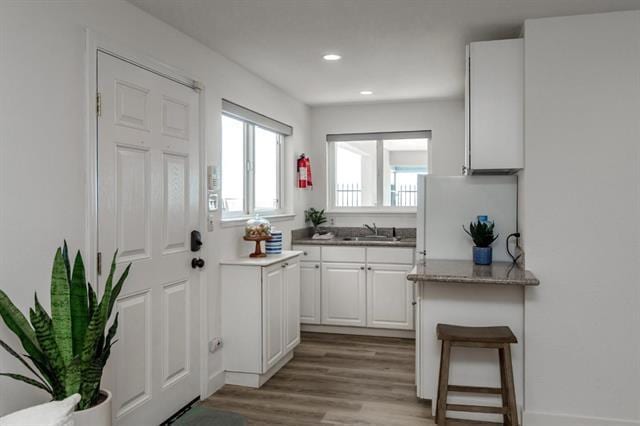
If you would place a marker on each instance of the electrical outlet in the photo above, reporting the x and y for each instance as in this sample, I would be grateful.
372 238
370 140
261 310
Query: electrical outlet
215 344
332 221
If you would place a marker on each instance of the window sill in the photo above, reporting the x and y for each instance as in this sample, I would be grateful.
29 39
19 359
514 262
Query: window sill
233 222
335 212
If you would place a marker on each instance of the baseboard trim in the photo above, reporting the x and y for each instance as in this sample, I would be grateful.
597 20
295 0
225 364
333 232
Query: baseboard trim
216 381
359 331
547 419
254 380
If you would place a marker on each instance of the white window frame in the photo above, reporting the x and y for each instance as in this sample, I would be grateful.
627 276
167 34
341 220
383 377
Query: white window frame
379 138
248 203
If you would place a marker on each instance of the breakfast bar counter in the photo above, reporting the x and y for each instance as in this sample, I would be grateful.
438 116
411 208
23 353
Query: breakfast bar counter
461 293
466 272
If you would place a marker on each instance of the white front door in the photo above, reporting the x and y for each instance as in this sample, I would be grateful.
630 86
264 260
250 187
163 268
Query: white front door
148 173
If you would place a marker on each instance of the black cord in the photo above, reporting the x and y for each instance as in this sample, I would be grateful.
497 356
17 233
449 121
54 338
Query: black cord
514 258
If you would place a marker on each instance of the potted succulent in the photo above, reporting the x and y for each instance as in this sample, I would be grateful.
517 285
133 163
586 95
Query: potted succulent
68 349
482 234
316 217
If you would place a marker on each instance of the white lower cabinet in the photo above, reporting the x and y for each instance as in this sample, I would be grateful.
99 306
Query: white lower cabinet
356 286
310 293
389 297
291 305
344 294
273 315
260 316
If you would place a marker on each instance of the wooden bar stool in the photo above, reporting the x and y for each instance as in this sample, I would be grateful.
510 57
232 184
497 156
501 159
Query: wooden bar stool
499 338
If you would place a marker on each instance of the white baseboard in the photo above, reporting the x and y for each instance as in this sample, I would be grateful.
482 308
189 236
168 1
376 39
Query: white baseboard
216 381
254 380
547 419
359 331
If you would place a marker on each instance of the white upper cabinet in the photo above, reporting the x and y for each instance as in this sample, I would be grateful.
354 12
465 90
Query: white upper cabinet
494 103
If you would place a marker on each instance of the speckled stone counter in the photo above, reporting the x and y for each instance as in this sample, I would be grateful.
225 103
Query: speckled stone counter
466 272
347 236
409 242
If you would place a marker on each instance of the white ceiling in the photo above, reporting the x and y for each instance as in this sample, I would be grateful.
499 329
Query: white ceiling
399 49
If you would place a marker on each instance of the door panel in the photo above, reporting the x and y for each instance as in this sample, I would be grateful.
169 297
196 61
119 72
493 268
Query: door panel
134 330
310 293
132 215
389 297
343 294
175 212
273 312
292 304
176 330
148 169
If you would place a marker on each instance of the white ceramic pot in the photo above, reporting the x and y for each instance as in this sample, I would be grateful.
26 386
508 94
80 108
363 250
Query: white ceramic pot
100 415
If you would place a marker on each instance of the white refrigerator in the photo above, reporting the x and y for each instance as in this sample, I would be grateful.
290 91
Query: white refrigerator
445 203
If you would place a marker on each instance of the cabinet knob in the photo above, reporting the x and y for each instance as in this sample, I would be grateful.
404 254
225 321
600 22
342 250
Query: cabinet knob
317 266
362 268
284 265
369 268
304 253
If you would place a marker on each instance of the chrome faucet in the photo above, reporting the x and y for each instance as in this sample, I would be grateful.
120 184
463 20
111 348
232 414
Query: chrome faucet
373 229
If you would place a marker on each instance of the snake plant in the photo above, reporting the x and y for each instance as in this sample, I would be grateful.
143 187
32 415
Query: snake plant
67 350
481 233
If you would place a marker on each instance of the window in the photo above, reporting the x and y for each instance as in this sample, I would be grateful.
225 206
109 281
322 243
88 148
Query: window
376 170
252 153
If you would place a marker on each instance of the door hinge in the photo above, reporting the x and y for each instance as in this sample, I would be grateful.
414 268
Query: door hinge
99 263
98 104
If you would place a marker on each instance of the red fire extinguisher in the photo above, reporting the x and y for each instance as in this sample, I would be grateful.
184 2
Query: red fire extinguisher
304 172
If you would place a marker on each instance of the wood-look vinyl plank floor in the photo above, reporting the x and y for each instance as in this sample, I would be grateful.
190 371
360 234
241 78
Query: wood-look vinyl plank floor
337 380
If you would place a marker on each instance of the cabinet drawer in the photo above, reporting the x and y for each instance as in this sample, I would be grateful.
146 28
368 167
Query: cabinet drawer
309 253
402 256
343 254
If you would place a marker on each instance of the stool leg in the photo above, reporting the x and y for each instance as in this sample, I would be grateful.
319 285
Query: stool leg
439 379
443 384
508 389
503 386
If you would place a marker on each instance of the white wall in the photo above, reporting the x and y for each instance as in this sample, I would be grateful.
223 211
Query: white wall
445 118
43 143
582 209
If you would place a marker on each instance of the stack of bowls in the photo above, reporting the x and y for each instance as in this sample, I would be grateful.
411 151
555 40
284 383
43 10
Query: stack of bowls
274 245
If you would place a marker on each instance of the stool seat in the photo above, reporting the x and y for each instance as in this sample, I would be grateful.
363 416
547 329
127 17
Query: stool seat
499 338
458 333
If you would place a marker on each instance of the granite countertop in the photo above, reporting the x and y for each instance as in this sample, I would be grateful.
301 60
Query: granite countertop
340 241
355 236
466 272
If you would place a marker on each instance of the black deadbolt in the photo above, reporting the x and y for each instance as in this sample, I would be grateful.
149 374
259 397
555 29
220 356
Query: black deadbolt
196 241
196 262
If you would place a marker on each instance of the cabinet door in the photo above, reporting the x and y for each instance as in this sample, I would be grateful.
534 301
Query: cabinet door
495 105
344 294
389 297
291 304
310 292
272 315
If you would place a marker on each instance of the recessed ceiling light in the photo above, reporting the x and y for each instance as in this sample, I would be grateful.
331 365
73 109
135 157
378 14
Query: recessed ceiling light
332 57
366 92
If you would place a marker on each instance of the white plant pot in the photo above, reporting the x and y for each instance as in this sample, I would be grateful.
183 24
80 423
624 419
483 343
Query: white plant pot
100 415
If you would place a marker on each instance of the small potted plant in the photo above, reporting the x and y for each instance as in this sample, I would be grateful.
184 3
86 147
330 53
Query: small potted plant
68 348
482 234
316 217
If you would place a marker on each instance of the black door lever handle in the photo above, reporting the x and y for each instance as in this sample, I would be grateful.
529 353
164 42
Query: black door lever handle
196 262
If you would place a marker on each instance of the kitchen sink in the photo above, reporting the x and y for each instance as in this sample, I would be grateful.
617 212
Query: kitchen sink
371 238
